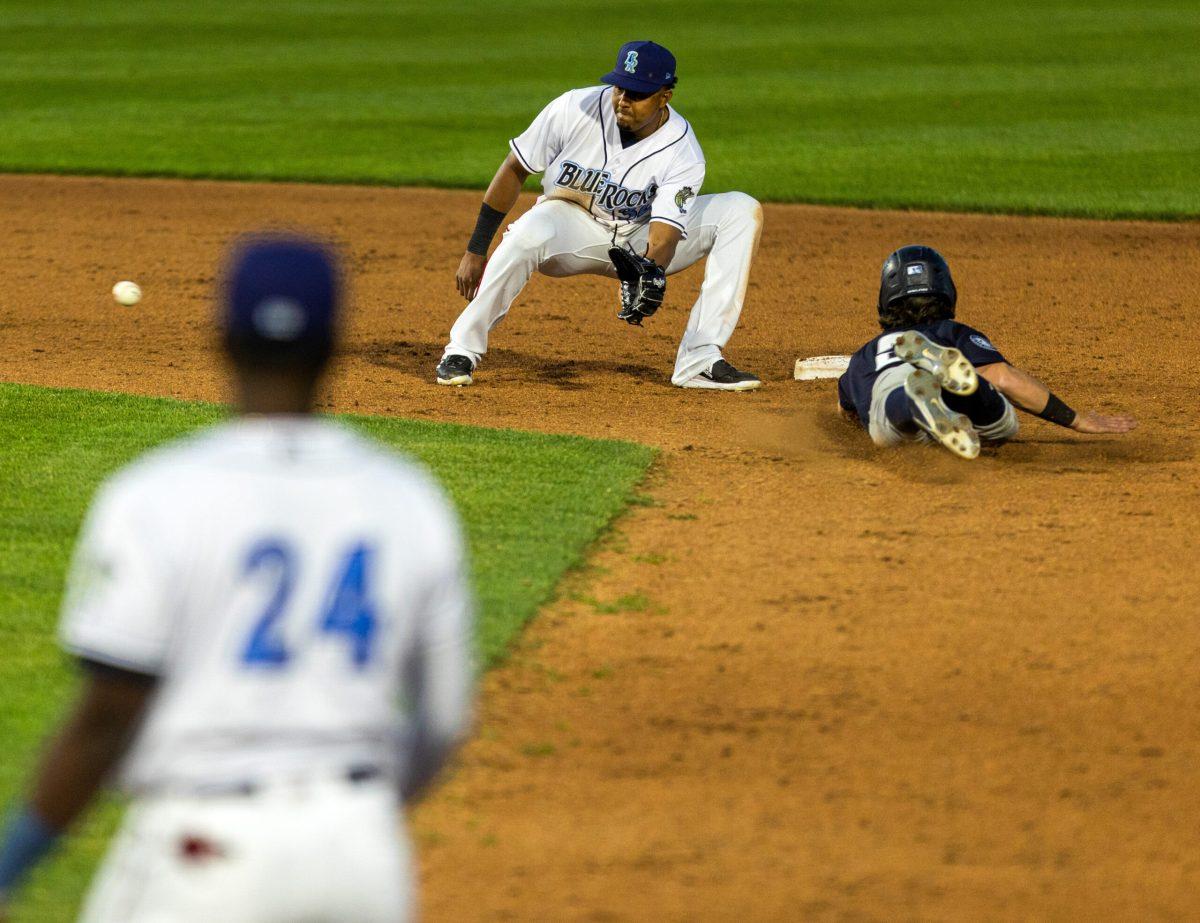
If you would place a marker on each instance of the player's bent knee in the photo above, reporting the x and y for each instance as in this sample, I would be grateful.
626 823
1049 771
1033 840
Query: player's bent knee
743 208
883 433
531 232
890 438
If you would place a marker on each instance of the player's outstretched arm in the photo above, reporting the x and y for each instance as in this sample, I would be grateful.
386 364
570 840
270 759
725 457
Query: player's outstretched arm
498 201
93 738
1030 395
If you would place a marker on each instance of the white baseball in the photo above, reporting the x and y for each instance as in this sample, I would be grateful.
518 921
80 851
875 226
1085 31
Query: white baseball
127 293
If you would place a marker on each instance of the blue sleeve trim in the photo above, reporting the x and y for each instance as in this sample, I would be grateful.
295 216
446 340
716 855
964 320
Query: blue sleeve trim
668 221
521 157
26 841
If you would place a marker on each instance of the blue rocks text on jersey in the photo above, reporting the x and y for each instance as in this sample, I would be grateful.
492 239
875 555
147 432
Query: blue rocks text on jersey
622 203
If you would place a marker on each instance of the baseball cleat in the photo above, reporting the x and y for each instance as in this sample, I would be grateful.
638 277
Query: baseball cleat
455 370
953 430
947 364
723 377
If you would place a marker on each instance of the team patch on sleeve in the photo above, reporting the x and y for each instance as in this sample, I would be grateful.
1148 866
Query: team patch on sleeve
681 198
983 342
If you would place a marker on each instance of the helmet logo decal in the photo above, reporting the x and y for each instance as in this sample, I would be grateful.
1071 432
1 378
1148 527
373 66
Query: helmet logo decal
915 269
631 63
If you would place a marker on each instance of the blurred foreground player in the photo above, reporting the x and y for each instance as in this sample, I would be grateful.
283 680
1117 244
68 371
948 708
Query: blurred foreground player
921 378
274 630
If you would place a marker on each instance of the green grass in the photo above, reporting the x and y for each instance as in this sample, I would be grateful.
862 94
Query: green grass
531 505
1088 107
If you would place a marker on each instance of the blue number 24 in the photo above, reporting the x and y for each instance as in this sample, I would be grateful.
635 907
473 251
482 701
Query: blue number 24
348 609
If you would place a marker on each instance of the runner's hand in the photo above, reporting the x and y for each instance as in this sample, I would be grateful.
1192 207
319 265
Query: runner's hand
1089 422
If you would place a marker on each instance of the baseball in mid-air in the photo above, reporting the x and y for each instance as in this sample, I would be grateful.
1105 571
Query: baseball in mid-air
127 293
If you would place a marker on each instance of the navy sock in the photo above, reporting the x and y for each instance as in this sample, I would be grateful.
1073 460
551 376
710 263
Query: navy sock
899 411
984 407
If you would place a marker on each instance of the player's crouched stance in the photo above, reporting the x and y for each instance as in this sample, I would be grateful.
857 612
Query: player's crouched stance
929 377
622 172
274 631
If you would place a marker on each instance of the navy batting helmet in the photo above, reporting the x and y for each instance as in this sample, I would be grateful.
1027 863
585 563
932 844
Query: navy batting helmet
915 271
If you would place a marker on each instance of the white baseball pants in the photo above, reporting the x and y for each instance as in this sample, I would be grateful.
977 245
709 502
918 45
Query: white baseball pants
311 852
560 238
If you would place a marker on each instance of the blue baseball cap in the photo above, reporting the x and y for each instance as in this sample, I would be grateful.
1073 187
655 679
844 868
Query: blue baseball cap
281 300
642 67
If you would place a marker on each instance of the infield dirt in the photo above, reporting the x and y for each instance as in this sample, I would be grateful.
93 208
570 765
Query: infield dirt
805 679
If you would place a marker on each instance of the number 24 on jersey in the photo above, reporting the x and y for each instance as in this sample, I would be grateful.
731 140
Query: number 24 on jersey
348 610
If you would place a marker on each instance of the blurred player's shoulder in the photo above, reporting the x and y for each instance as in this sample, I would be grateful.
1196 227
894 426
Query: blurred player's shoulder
195 468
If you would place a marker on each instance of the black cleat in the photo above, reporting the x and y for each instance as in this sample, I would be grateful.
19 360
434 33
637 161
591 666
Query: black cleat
723 377
455 370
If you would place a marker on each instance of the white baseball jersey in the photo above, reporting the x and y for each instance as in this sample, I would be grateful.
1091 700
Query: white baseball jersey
288 582
576 142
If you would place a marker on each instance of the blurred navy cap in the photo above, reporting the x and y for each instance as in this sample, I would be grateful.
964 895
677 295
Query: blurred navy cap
281 300
642 67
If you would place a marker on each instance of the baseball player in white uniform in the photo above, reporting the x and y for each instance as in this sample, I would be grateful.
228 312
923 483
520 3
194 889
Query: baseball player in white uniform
622 170
275 631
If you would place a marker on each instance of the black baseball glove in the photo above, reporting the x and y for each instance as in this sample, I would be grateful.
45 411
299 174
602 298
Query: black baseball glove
643 284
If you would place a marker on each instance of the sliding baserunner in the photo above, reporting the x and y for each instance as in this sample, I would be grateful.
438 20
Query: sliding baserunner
929 377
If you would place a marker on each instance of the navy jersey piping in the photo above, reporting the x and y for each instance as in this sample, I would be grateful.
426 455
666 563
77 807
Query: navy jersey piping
686 129
603 130
603 138
521 157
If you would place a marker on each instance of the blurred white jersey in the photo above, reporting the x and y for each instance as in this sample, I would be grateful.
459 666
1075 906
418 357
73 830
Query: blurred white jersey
298 591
